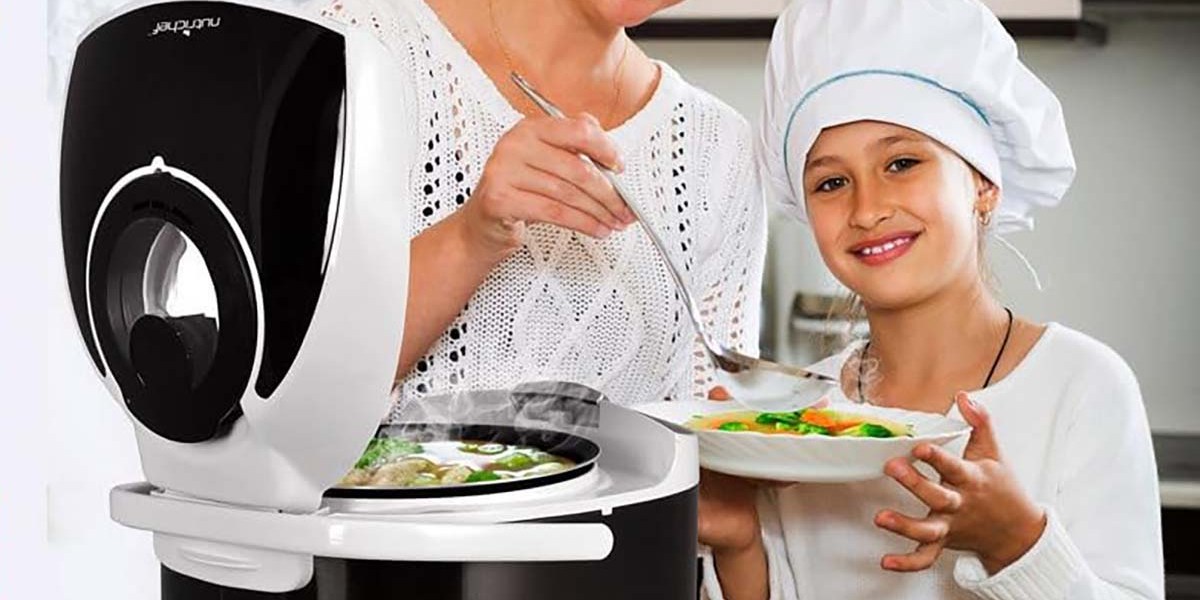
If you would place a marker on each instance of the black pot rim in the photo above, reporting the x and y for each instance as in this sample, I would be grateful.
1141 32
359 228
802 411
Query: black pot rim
580 449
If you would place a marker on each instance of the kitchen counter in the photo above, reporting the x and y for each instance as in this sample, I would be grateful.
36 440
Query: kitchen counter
1178 459
1179 494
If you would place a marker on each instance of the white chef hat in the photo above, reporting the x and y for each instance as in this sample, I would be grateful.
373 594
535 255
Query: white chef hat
946 68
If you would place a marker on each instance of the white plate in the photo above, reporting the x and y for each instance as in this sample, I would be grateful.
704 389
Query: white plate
810 458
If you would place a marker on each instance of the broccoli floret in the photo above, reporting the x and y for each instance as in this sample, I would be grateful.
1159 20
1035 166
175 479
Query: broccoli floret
868 430
775 418
733 426
808 428
381 450
482 448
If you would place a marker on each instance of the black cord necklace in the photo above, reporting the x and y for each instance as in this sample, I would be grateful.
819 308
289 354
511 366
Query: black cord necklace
862 358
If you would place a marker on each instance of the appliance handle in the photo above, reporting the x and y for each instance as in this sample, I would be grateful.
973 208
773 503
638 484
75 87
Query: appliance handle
374 537
463 542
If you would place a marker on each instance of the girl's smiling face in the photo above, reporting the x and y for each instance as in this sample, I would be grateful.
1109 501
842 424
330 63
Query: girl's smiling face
894 212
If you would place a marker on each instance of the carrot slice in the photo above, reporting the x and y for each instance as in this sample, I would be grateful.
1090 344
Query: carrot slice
818 417
831 420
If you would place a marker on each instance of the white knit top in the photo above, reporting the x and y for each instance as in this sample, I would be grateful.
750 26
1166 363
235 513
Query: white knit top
1070 423
565 306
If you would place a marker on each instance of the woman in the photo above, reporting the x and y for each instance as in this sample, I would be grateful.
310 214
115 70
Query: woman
903 157
525 265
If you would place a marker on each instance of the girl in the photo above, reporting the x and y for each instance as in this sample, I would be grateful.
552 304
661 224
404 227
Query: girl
524 264
902 156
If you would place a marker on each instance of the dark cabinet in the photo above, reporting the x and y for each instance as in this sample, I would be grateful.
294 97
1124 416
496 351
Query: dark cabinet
1178 459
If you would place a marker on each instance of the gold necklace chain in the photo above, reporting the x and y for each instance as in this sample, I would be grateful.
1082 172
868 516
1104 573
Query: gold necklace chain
508 63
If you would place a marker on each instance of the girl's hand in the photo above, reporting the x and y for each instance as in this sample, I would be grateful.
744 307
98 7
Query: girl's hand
728 512
535 175
729 526
979 506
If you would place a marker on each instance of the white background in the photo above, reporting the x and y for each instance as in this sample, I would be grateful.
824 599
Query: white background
24 227
1118 260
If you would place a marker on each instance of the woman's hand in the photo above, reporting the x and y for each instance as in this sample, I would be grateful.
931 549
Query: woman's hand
535 175
979 506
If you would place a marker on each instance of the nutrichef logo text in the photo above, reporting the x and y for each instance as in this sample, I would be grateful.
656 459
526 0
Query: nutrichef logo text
185 26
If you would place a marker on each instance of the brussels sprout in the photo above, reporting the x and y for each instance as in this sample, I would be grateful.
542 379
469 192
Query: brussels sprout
515 461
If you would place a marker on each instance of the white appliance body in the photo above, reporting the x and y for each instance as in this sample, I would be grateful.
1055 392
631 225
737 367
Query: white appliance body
282 449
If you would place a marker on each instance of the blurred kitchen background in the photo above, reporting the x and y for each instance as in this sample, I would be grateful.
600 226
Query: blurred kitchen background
1115 259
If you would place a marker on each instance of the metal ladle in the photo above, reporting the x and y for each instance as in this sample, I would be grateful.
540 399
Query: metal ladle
753 382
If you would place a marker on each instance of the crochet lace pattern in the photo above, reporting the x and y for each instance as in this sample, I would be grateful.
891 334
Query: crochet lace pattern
564 306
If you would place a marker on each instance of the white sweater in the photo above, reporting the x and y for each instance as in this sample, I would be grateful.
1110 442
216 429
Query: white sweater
1070 423
564 306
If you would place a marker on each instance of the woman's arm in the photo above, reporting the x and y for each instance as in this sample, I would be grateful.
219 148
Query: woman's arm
534 175
729 277
740 528
445 269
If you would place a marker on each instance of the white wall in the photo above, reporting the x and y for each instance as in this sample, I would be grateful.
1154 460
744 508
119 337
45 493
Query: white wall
23 171
90 444
1117 259
1118 256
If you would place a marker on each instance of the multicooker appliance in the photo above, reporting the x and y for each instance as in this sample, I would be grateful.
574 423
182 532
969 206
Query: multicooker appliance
234 207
